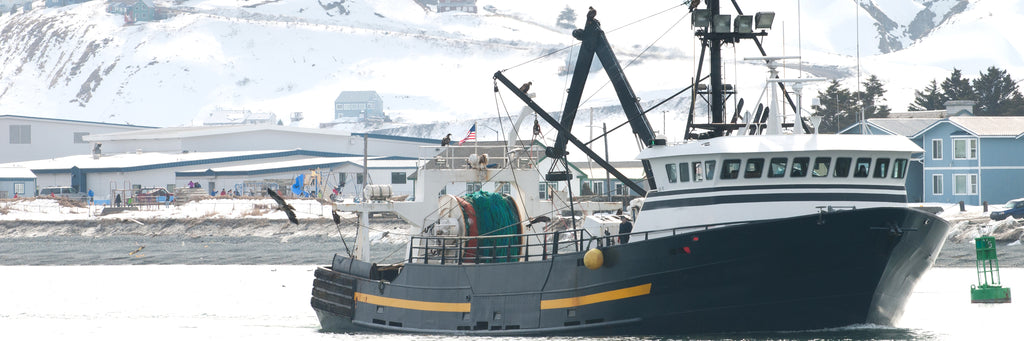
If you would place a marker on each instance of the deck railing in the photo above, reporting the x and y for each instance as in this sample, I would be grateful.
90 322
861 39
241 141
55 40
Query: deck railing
516 248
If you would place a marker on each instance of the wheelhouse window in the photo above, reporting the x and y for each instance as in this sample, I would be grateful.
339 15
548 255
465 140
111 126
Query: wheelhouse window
672 172
684 172
965 149
899 169
863 164
777 167
800 165
821 165
698 171
754 168
937 184
881 168
731 169
709 167
842 169
936 149
473 187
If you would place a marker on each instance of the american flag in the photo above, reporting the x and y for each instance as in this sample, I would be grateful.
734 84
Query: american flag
470 136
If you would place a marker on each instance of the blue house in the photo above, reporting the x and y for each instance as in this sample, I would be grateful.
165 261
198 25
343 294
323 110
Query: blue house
364 105
142 10
967 158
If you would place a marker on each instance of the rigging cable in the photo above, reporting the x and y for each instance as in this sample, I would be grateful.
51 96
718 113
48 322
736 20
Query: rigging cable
577 43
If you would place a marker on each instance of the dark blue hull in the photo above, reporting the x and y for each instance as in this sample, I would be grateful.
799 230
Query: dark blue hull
810 272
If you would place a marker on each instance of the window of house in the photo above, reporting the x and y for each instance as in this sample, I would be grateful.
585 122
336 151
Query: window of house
684 172
359 178
937 184
964 184
618 188
473 187
799 168
19 188
21 134
821 165
754 168
899 169
842 169
936 149
861 170
731 169
881 168
398 177
709 168
965 149
79 135
670 170
598 187
777 167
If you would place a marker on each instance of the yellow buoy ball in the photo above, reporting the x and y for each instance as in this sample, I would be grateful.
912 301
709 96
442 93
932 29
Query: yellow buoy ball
593 259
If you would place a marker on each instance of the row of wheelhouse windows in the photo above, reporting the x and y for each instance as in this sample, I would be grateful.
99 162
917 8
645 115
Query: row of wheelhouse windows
780 167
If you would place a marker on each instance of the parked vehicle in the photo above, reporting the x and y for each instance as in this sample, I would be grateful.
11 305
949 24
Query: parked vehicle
63 192
1013 208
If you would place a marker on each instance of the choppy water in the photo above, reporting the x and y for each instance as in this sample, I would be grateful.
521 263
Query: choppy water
213 250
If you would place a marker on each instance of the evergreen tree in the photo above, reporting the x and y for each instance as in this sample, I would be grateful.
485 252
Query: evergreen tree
567 19
997 94
871 99
838 108
930 99
955 87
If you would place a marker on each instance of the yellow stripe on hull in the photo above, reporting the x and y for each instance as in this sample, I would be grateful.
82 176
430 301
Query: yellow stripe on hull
606 296
411 304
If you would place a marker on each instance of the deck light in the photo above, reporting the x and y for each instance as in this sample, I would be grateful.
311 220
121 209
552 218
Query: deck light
743 24
763 20
701 17
721 23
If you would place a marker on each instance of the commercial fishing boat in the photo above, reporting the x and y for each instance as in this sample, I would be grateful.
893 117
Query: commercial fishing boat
748 225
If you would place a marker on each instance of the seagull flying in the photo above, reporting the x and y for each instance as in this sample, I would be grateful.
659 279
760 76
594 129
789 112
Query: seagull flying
281 205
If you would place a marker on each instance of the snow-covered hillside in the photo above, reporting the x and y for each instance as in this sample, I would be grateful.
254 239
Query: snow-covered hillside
80 62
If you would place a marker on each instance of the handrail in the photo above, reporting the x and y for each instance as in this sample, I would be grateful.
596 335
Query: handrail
446 250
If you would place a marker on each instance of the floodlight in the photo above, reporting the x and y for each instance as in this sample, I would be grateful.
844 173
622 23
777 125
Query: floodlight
763 20
721 23
743 24
701 17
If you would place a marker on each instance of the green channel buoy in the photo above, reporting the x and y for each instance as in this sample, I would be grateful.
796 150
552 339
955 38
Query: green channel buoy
989 288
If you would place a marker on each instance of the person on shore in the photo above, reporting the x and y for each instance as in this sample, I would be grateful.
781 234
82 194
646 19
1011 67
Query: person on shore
90 196
117 200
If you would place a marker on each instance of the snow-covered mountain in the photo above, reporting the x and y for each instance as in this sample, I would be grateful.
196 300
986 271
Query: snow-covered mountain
284 56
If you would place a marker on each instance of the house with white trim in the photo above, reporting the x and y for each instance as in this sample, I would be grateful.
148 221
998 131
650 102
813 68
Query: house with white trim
974 159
